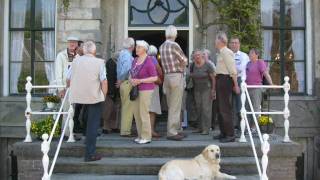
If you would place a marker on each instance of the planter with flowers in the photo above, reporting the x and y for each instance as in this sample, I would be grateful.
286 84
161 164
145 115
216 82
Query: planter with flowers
42 126
51 101
266 124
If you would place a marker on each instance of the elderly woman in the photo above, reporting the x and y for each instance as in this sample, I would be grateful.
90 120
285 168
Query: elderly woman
202 73
155 106
255 71
143 74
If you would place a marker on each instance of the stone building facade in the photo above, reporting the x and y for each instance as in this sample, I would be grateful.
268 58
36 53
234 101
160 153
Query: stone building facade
108 22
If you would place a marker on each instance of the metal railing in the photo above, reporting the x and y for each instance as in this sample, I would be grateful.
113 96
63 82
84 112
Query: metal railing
265 146
45 145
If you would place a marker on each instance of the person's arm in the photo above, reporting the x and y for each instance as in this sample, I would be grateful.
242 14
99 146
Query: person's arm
159 73
213 85
59 74
180 55
268 77
228 59
123 67
103 80
104 87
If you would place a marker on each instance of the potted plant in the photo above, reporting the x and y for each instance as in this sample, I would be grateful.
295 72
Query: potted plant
51 101
42 126
266 124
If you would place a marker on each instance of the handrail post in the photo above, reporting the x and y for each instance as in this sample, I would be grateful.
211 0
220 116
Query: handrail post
45 147
28 88
71 124
243 110
265 148
286 111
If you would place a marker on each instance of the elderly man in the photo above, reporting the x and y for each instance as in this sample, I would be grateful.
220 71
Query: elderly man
226 81
89 86
173 62
241 60
62 64
123 67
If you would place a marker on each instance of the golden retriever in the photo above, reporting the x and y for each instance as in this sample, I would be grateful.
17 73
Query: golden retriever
205 166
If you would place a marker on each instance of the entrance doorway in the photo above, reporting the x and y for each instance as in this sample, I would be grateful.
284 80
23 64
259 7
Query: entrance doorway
157 37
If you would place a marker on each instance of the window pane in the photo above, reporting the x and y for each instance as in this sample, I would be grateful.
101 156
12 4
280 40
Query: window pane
296 73
20 46
18 75
43 75
294 45
44 46
158 12
270 12
295 13
45 13
20 13
271 45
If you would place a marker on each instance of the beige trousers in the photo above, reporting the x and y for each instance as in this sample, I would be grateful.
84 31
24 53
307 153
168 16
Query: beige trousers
65 116
126 108
173 86
141 114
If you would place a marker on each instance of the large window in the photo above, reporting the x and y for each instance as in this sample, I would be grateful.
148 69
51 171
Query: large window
32 43
284 41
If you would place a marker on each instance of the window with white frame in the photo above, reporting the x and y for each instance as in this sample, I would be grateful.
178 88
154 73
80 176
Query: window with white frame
31 43
284 27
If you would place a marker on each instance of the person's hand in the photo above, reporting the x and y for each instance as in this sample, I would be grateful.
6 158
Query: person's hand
62 93
118 83
236 89
213 94
135 82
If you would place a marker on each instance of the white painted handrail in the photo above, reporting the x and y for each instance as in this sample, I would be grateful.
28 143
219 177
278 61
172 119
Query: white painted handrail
265 146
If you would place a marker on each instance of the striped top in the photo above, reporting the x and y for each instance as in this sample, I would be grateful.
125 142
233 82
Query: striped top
173 59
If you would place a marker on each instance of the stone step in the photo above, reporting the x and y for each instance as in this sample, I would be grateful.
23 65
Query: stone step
125 177
143 166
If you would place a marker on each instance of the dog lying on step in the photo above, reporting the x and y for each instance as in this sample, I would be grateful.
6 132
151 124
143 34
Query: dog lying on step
205 166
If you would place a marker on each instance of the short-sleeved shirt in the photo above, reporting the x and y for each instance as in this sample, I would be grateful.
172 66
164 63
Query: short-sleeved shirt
254 72
148 69
201 77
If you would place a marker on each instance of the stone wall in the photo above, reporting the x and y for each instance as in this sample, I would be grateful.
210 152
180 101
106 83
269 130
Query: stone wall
83 19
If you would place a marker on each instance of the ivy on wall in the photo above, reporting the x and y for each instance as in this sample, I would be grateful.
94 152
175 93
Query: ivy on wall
237 17
66 5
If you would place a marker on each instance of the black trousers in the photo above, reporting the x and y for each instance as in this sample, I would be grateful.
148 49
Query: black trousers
224 86
93 122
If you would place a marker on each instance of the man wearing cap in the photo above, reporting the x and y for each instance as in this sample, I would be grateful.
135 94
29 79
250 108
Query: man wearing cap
62 64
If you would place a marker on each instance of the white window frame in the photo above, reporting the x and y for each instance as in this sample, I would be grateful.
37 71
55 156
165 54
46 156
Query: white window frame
309 48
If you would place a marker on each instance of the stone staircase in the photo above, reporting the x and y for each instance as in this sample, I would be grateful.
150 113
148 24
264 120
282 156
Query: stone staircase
123 159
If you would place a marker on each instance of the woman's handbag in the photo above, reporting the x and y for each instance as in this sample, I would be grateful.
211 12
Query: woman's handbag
134 92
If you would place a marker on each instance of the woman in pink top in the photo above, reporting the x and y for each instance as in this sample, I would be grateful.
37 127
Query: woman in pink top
255 71
143 74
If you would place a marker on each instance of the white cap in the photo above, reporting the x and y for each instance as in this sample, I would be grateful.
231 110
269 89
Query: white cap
73 38
142 43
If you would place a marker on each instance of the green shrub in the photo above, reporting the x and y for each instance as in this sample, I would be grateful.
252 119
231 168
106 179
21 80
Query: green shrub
45 126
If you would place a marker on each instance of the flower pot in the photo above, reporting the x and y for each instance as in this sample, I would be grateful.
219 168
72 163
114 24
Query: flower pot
268 129
50 105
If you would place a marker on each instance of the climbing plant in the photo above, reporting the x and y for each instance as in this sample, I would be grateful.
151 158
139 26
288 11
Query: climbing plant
66 5
239 18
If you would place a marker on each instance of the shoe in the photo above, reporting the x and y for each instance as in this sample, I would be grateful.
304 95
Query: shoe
184 135
93 158
156 135
220 136
175 138
136 140
197 131
115 130
105 131
228 139
144 141
204 133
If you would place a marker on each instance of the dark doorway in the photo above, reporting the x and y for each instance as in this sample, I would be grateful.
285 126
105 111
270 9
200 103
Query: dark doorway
157 37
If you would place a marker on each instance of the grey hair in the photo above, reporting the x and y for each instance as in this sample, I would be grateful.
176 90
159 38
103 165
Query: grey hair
128 43
89 47
222 37
153 51
171 32
207 51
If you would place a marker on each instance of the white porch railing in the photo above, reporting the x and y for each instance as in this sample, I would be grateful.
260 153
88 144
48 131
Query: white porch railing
265 146
45 145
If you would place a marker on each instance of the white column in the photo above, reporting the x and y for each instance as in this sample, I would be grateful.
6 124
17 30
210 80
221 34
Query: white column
71 124
243 110
45 147
28 88
265 147
286 111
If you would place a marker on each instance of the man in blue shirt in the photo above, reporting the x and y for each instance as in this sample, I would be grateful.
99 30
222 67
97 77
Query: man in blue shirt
123 67
241 60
